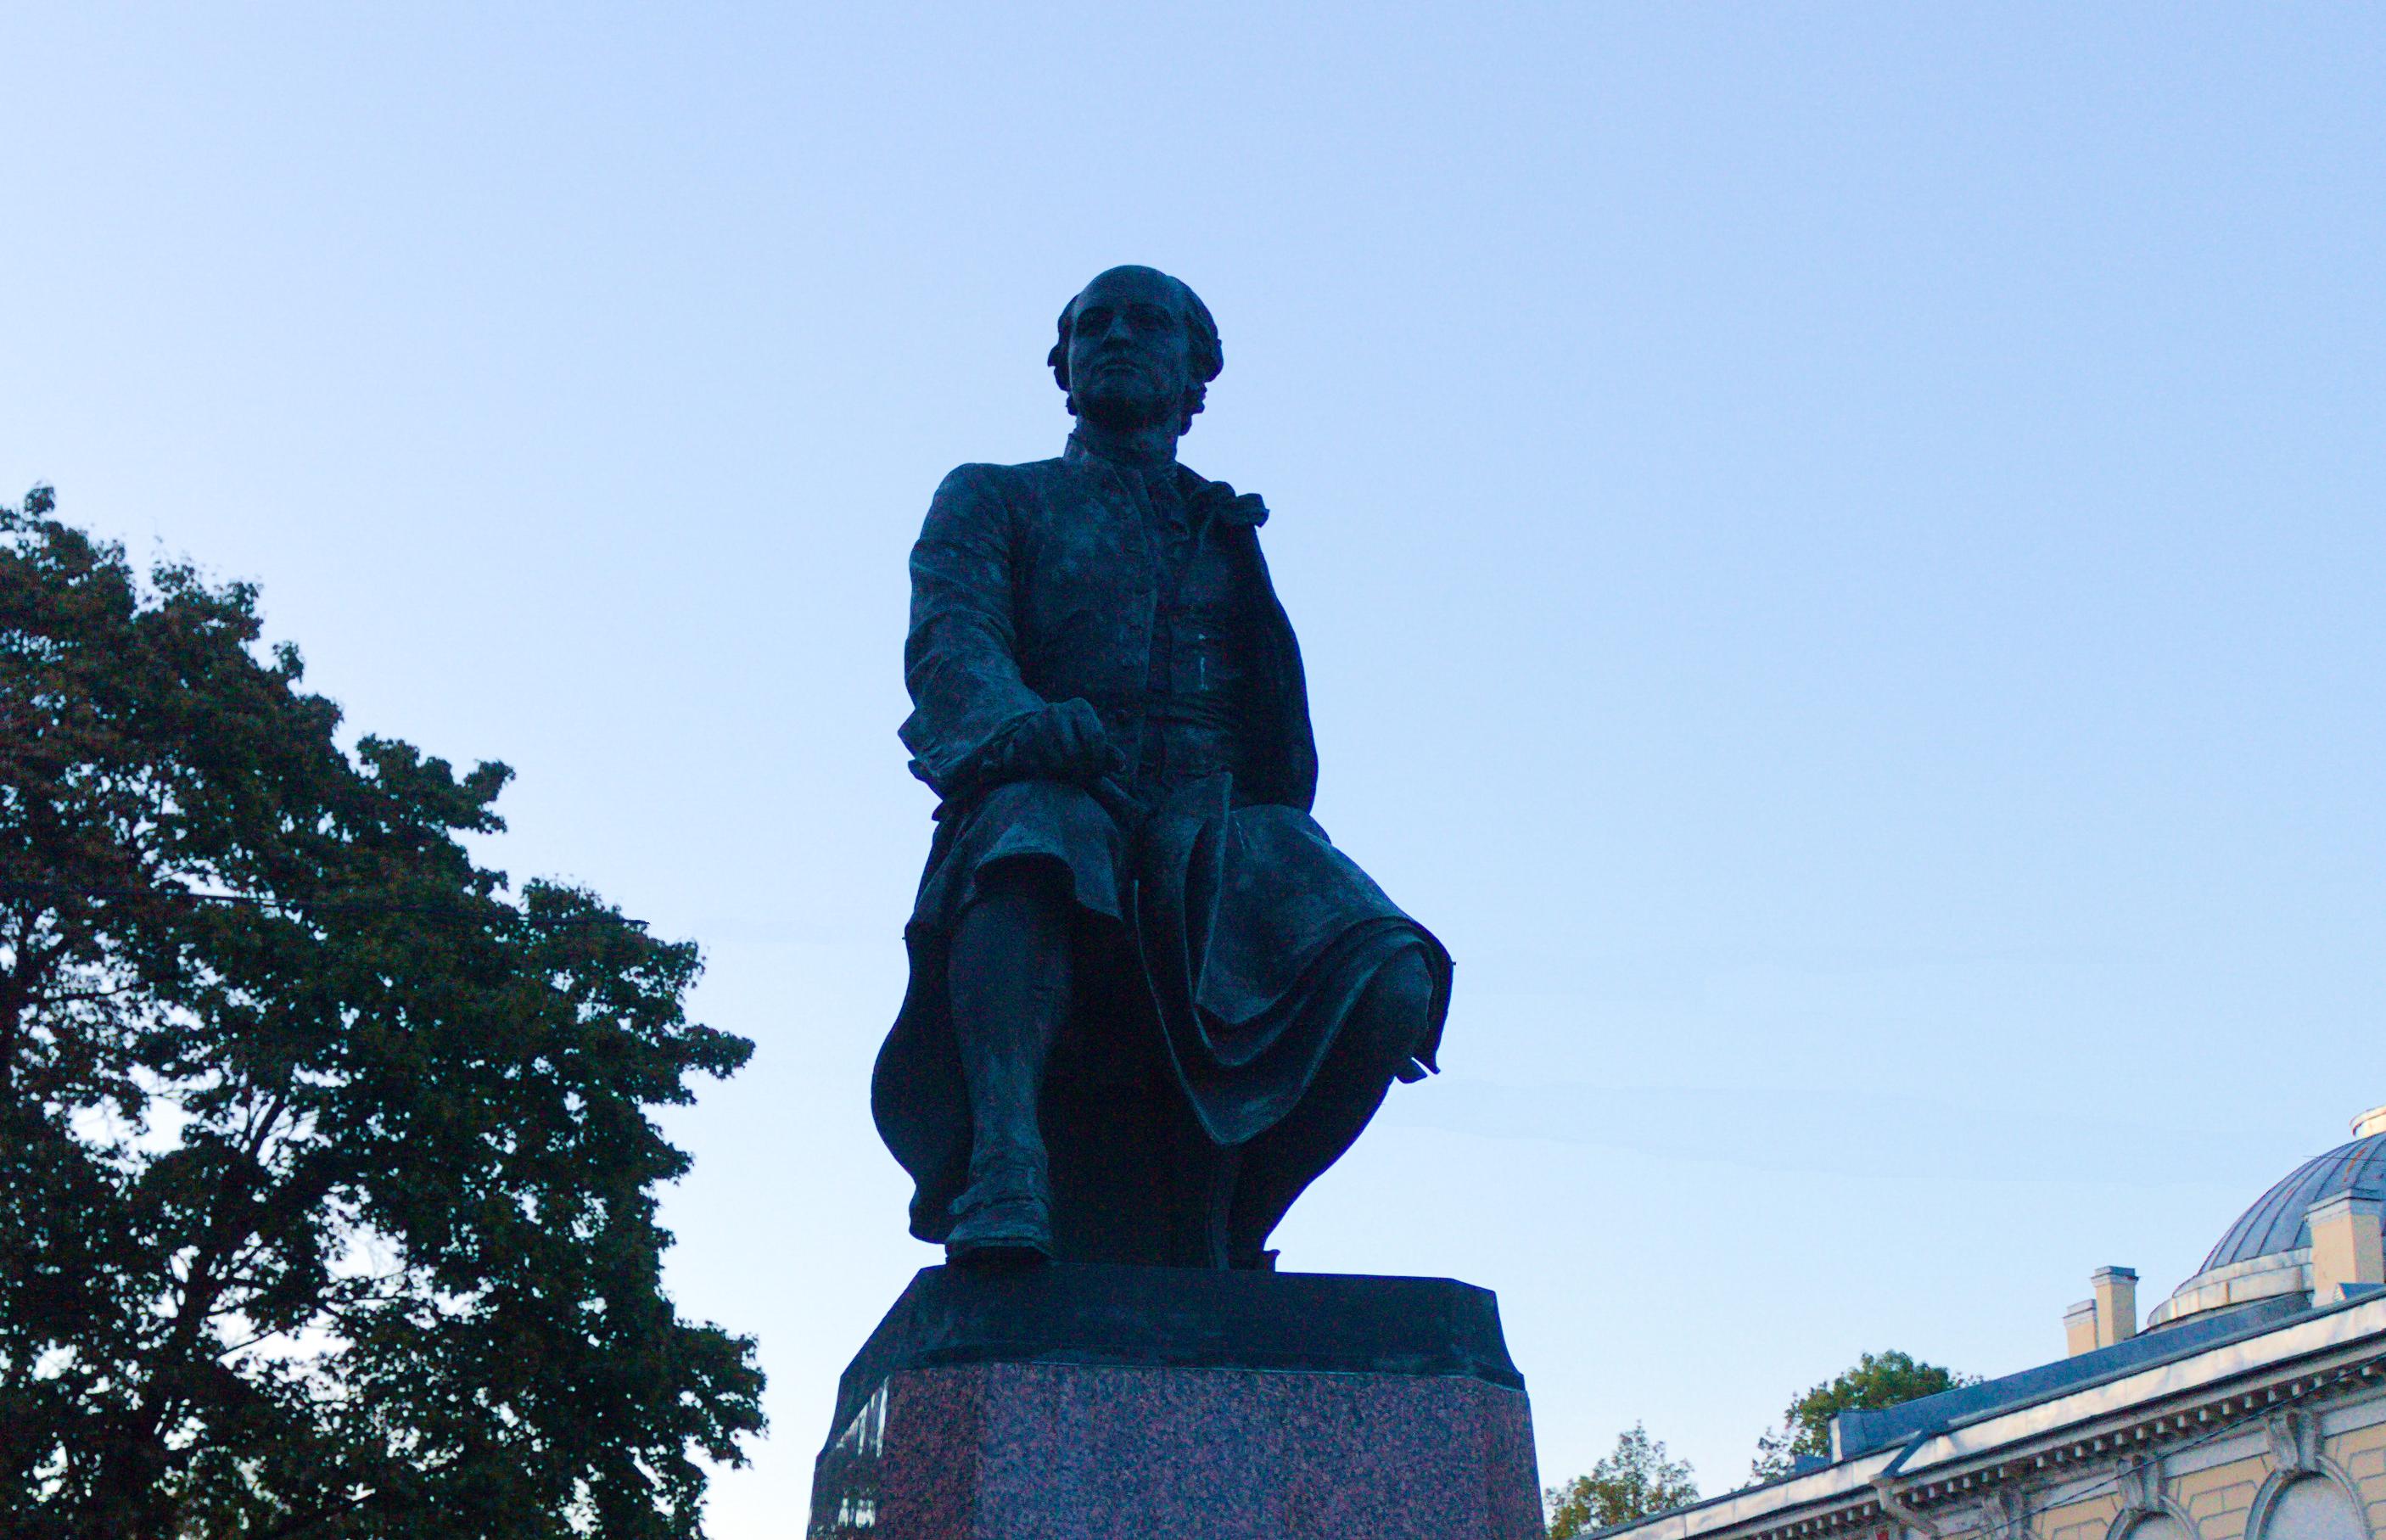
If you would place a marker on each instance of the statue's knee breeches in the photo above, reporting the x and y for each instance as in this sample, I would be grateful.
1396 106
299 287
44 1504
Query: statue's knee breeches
1047 824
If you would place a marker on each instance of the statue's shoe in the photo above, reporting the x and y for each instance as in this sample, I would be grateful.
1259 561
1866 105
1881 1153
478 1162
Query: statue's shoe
998 1222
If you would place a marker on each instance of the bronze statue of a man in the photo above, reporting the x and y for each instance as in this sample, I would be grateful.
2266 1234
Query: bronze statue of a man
1149 1001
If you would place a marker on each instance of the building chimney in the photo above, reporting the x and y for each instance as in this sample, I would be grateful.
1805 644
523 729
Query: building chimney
2369 1123
2080 1329
2116 1304
2345 1245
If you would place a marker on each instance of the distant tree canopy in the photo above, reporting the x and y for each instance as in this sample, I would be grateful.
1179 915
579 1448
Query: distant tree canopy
1876 1381
1634 1482
327 1186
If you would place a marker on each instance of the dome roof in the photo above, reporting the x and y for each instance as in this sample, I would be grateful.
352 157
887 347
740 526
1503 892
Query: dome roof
2267 1255
2274 1223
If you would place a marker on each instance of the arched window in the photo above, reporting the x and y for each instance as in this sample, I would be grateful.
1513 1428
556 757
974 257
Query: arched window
2159 1526
2313 1508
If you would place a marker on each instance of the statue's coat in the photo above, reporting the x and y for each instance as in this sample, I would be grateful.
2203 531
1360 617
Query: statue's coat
1243 936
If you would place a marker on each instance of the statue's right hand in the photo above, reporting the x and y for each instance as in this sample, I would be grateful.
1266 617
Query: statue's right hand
1065 740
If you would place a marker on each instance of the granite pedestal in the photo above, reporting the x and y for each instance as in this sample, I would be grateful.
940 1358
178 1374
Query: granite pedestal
1079 1402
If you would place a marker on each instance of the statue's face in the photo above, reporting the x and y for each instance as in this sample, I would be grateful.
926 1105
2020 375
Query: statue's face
1130 353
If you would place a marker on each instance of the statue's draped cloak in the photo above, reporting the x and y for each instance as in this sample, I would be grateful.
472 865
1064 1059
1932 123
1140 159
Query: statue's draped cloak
1231 938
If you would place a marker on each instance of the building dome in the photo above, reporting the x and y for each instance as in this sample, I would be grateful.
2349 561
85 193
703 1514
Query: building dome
2267 1251
2274 1223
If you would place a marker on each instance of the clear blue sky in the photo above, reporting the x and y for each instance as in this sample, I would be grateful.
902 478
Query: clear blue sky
1839 547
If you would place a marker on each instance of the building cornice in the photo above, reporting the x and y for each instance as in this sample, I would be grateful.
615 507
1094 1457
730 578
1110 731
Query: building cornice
2132 1415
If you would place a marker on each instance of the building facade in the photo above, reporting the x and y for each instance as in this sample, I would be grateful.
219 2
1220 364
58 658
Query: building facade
2249 1406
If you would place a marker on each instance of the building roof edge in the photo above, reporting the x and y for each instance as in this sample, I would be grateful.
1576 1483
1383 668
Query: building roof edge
2200 1363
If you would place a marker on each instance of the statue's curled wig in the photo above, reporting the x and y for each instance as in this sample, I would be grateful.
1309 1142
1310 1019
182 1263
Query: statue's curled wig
1208 357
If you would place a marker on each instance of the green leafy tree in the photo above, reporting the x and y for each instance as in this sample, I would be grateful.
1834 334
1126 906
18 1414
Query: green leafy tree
1878 1379
329 1196
1633 1482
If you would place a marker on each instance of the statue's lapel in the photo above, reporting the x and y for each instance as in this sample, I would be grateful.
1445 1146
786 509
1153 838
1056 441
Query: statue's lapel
1220 501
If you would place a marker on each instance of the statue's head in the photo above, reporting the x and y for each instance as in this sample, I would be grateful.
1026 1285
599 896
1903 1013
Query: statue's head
1136 348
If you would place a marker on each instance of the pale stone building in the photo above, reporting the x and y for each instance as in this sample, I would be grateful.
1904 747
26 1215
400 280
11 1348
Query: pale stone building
2249 1406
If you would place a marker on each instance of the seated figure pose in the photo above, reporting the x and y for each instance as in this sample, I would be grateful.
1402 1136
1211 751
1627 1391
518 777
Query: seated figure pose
1149 1001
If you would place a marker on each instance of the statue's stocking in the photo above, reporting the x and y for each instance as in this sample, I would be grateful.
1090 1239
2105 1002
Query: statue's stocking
1009 971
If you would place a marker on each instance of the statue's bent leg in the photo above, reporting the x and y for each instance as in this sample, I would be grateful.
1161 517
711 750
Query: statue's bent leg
1009 971
1387 1027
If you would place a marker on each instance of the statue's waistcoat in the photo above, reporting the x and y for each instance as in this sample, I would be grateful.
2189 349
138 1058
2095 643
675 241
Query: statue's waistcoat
1036 584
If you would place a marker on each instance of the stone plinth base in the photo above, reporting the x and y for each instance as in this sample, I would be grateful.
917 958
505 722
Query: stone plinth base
1083 1403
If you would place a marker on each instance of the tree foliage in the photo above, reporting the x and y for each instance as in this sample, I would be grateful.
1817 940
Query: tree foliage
1876 1381
1633 1482
329 1210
